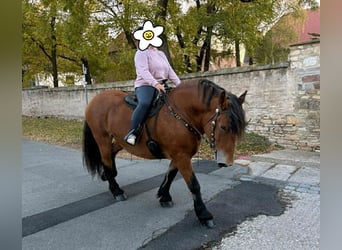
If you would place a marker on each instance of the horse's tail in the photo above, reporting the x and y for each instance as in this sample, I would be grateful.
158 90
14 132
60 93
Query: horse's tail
91 152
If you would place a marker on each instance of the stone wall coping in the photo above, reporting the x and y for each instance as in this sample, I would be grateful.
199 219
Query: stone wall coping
313 41
114 85
130 83
236 70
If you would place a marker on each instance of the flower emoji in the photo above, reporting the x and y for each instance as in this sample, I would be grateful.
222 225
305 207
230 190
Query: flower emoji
149 35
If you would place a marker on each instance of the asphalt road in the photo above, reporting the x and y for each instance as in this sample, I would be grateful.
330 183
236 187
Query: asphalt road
64 208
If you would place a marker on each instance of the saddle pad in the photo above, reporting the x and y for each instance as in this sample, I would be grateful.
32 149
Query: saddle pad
158 102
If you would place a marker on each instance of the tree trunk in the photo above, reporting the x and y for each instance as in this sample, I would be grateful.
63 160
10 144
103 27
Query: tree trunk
165 48
161 14
54 68
208 49
130 39
237 53
186 57
250 61
199 28
54 53
199 58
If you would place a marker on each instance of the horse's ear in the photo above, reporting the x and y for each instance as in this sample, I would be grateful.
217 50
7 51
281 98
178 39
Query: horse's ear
242 97
223 99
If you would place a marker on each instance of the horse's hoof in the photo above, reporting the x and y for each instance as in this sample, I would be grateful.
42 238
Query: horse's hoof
222 165
120 197
208 223
103 177
166 203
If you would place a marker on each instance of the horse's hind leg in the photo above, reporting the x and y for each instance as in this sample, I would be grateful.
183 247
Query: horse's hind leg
164 189
114 188
204 216
110 172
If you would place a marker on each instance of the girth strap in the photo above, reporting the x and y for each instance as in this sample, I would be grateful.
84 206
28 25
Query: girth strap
153 145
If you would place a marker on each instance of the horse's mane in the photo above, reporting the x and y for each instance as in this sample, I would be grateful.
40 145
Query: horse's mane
237 117
237 120
209 90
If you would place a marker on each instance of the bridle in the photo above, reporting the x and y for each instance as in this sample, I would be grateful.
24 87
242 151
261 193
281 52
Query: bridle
213 120
192 128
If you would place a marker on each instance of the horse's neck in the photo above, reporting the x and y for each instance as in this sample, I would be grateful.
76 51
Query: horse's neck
191 108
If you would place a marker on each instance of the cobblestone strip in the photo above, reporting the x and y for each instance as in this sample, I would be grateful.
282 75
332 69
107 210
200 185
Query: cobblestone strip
293 186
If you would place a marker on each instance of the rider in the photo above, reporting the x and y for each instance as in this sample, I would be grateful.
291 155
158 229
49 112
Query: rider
152 68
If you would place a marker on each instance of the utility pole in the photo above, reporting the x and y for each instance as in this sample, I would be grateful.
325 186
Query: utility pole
84 72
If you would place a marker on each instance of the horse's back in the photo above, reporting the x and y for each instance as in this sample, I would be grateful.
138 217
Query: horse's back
103 107
104 100
107 96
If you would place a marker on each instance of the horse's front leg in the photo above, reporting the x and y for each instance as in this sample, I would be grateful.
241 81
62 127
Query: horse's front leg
164 189
204 216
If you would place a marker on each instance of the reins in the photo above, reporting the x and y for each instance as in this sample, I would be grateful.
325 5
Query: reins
191 128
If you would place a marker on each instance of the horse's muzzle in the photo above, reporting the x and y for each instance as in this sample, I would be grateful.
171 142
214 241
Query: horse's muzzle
221 160
224 165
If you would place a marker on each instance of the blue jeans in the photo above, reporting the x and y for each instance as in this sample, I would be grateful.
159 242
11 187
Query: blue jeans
145 95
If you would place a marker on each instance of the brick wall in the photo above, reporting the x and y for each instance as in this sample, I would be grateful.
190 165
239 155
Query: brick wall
283 101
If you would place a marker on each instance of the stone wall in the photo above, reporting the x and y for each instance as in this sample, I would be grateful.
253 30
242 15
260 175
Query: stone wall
305 68
63 102
283 101
298 127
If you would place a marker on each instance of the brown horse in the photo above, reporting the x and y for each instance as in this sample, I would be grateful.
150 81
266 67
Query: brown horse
191 110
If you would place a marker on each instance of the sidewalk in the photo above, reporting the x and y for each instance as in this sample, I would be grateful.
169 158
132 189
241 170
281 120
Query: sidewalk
297 173
289 169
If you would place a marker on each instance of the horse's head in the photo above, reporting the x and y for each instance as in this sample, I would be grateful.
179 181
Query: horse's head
230 126
227 122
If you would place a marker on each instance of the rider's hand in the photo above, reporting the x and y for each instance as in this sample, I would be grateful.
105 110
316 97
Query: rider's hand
160 87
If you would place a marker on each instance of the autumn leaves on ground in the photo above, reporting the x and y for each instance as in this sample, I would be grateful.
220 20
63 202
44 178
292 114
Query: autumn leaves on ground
68 133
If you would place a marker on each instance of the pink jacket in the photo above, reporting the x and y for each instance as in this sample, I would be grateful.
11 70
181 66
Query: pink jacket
152 67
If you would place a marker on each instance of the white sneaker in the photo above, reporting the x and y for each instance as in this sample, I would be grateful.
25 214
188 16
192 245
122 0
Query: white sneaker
131 139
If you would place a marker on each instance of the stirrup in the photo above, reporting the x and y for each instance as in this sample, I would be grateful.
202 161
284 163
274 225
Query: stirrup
130 138
133 135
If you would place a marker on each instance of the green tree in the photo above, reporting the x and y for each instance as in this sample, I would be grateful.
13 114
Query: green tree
240 24
60 36
41 27
217 23
122 18
229 23
85 39
274 45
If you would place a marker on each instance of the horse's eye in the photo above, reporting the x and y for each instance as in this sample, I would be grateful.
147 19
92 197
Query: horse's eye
224 128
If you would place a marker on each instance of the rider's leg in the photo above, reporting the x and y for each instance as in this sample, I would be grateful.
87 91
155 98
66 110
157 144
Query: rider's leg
145 96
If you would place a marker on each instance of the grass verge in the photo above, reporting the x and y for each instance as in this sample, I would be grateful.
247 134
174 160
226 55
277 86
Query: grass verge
69 133
53 131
